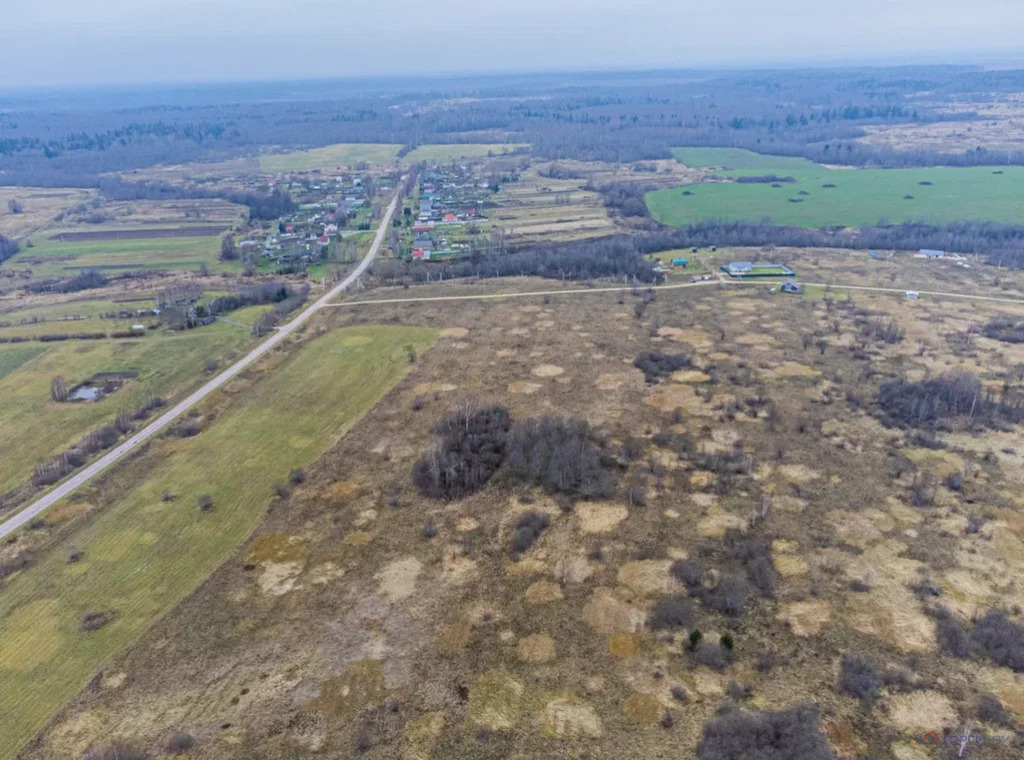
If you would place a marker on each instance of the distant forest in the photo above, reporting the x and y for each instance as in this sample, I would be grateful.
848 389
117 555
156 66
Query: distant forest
70 139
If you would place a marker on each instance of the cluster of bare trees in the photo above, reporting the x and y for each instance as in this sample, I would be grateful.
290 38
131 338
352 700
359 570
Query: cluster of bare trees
940 400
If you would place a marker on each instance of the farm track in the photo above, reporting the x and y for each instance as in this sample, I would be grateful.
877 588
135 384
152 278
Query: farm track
33 510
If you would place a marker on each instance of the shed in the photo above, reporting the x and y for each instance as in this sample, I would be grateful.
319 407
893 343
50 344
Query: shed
138 329
679 262
792 287
930 253
913 295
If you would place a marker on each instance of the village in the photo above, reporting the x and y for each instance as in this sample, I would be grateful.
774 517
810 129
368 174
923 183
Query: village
330 211
447 214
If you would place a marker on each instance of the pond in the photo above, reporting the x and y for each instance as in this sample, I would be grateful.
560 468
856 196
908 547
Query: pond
100 385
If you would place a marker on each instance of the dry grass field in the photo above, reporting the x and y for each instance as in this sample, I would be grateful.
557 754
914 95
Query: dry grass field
365 619
999 129
539 208
39 208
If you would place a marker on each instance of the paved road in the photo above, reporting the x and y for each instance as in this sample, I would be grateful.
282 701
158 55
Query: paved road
30 512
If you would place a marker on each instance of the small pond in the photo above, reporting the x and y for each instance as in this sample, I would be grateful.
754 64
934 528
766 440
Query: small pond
100 385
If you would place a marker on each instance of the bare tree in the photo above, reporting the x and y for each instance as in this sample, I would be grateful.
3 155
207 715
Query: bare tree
228 250
15 206
58 389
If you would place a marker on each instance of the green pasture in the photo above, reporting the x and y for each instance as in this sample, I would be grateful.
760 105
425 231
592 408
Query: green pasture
54 258
859 198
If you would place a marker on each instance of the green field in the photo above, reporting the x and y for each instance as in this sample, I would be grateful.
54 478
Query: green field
860 198
54 258
330 157
144 555
34 428
14 356
443 153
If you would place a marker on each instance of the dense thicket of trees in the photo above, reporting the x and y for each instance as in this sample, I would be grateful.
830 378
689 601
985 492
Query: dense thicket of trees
616 256
563 456
470 449
626 197
261 205
793 734
938 401
1006 329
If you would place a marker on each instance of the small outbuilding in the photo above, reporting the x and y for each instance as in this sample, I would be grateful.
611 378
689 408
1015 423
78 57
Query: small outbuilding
792 287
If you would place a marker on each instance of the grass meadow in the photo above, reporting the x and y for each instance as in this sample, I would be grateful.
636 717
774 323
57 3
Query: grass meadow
856 198
61 259
143 555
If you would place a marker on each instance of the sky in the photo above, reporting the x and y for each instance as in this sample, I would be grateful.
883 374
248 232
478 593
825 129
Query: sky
99 42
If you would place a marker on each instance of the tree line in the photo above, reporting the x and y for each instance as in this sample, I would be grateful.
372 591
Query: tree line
1002 244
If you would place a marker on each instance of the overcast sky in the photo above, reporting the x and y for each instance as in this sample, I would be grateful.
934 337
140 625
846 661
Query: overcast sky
46 42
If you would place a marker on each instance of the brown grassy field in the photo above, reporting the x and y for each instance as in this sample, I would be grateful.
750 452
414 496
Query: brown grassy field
40 206
345 628
998 129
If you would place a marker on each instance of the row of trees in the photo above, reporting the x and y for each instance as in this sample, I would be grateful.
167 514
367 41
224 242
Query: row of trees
1003 244
615 257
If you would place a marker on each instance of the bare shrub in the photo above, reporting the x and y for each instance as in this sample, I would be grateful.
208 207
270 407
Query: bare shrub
1001 640
690 572
21 561
729 596
754 552
180 742
116 751
529 526
655 365
793 734
859 678
297 476
94 620
672 613
991 710
205 502
711 655
953 636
